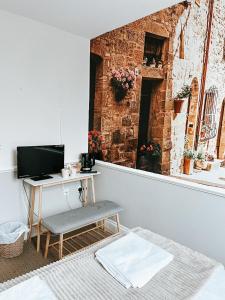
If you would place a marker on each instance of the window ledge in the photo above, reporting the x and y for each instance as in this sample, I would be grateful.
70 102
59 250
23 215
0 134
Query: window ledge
163 178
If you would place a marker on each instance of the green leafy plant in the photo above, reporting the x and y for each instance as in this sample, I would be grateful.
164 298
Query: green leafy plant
188 153
185 92
201 156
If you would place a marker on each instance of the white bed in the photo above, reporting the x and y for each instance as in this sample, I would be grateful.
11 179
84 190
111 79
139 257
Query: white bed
214 288
79 276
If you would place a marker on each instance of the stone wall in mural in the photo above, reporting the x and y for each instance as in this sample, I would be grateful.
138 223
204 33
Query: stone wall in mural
157 89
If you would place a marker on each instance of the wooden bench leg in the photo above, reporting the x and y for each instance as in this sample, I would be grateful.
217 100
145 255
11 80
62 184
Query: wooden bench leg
118 222
61 246
103 224
47 244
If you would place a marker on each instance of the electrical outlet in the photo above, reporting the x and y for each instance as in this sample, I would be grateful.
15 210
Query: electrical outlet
80 189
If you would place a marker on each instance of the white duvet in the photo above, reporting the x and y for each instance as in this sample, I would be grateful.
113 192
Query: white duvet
31 289
214 288
36 289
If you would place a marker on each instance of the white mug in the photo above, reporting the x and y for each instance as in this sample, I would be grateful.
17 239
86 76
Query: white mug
65 173
73 171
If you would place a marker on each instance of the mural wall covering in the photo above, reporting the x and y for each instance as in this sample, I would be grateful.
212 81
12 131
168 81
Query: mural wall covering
157 90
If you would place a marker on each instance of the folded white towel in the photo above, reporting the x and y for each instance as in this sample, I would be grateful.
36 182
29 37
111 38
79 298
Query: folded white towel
132 260
31 289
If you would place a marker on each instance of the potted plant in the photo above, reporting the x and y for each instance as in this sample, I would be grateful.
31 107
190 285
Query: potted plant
189 157
150 154
210 157
200 161
152 63
95 144
122 80
183 94
145 61
159 64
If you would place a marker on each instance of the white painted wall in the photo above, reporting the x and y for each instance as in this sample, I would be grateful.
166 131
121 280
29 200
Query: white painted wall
189 213
87 18
44 80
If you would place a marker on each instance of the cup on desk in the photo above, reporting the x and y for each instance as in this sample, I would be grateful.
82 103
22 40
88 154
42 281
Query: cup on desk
78 167
65 173
73 171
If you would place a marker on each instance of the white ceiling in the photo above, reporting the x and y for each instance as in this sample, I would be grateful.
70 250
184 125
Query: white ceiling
87 18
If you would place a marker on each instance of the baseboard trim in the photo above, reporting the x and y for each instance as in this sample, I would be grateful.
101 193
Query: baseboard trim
112 226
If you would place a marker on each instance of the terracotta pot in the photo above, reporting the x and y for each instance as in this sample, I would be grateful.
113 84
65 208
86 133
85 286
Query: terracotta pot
178 103
152 65
209 167
188 166
198 164
204 165
201 164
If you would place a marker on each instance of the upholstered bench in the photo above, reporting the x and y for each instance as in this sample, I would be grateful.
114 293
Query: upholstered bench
74 219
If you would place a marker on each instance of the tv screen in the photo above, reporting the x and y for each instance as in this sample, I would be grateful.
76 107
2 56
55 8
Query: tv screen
39 160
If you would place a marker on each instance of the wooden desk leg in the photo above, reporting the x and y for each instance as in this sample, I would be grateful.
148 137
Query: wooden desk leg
103 224
31 211
94 200
85 191
39 219
61 246
93 189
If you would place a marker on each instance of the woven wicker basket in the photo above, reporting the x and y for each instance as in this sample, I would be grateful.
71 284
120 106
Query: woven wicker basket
12 250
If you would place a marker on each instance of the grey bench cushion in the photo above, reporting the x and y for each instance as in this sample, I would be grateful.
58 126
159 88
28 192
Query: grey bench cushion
77 218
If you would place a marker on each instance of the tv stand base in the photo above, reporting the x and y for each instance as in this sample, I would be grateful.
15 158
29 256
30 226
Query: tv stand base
42 177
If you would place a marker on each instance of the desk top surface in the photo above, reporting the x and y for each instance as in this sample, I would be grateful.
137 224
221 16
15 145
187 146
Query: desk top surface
58 179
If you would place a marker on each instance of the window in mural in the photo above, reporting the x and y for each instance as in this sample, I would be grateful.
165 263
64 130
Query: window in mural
153 50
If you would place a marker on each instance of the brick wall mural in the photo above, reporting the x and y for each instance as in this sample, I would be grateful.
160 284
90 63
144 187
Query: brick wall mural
140 123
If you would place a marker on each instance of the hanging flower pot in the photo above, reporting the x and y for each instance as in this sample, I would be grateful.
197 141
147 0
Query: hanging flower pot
184 93
178 104
120 93
122 80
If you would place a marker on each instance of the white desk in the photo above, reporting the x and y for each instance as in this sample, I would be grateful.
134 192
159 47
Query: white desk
56 180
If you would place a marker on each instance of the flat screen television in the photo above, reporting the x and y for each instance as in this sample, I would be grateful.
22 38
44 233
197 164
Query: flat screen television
38 162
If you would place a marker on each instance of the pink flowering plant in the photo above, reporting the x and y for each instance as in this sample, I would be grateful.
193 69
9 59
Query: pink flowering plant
151 149
94 141
122 80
